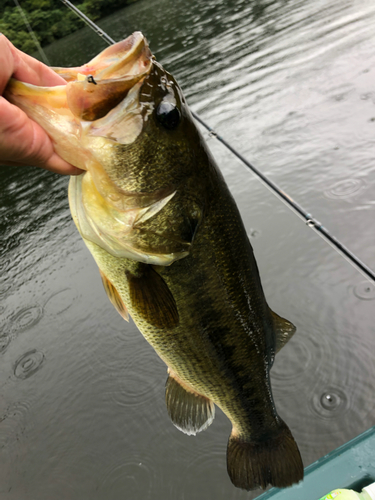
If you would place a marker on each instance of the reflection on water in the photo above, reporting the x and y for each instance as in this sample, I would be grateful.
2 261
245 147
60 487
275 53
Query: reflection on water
82 413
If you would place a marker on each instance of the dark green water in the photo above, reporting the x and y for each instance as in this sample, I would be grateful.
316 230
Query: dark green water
82 412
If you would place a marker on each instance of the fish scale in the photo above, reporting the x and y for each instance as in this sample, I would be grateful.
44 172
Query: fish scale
156 214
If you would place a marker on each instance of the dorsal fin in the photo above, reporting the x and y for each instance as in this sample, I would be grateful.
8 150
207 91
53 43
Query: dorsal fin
189 411
114 297
151 297
284 331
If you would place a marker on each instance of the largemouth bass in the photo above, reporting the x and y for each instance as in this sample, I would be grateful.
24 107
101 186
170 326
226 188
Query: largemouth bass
158 218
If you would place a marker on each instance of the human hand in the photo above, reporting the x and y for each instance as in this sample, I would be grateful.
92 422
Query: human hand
23 141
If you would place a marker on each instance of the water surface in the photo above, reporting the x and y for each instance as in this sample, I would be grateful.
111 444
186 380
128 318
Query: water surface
82 412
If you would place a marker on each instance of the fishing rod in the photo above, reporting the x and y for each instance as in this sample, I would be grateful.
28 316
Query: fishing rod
306 216
90 23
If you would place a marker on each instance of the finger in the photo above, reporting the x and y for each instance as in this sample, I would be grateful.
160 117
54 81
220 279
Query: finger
56 164
56 167
6 63
24 142
25 68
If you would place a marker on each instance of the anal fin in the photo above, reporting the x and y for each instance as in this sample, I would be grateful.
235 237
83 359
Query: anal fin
114 297
284 331
189 411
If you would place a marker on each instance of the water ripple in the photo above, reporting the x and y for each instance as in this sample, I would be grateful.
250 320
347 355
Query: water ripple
13 423
365 290
138 381
135 477
205 472
28 364
25 318
344 188
332 402
254 233
285 83
4 343
60 301
303 354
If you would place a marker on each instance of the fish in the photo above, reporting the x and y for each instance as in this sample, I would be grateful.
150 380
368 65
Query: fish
156 214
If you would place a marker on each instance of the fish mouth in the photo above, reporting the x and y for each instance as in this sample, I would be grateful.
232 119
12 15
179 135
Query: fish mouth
88 118
129 56
97 87
93 91
98 107
104 95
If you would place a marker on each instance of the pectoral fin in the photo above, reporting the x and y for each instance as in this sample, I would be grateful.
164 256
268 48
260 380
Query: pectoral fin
114 297
284 331
151 297
189 411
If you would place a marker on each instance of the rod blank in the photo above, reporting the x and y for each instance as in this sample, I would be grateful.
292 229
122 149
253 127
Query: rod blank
309 219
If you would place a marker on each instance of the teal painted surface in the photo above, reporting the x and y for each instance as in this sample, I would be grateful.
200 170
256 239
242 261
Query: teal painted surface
350 466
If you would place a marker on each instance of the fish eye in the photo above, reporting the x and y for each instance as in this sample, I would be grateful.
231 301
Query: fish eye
168 115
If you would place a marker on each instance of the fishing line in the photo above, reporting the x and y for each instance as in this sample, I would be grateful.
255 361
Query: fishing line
90 23
31 33
306 216
288 200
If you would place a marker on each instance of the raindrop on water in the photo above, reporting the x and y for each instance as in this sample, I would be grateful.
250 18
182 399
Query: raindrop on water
60 301
134 476
3 290
28 364
365 290
297 361
344 188
26 318
4 342
253 233
331 403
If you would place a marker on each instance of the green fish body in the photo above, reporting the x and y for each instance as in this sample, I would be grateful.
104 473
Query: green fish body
157 215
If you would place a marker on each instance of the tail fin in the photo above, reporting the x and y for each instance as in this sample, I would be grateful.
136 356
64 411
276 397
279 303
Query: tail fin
275 461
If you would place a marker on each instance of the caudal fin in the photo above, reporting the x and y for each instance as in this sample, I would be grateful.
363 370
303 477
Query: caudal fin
275 461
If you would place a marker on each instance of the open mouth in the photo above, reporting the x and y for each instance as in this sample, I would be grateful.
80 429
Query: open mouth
98 104
93 89
89 119
100 85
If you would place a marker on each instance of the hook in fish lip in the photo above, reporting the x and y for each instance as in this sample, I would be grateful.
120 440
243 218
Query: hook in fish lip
90 79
